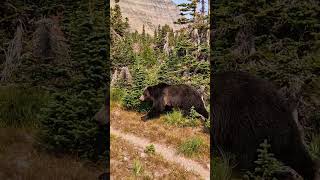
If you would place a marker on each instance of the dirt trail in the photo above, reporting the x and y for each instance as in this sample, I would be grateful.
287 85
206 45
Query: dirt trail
168 153
158 131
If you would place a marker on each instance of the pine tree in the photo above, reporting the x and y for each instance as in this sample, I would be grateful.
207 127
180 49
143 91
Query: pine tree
119 24
266 163
195 20
155 34
188 11
68 124
131 99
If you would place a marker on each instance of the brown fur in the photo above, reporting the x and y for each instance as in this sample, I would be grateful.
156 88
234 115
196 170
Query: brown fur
166 96
247 110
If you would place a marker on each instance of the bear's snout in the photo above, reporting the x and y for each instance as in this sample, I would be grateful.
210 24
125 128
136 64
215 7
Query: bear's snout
141 98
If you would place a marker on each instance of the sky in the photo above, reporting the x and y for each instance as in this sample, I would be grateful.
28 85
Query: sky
184 1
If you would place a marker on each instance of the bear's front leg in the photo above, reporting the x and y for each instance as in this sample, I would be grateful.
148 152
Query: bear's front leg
144 118
151 114
154 112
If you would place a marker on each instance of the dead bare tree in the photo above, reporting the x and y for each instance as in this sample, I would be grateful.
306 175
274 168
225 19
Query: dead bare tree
49 42
124 75
13 54
114 78
166 47
244 40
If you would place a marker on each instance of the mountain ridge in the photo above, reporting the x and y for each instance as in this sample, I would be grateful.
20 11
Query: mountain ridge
149 13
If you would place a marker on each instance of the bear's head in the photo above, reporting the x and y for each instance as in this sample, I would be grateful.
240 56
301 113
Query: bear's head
152 93
146 96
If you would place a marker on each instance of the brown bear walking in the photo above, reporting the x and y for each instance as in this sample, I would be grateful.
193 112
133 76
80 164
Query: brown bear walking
165 97
247 110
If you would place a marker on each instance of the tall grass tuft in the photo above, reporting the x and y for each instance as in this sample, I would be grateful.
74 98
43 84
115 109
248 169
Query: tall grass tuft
221 168
314 146
192 146
20 105
137 167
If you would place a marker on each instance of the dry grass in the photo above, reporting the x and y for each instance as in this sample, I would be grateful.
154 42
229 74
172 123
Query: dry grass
158 131
130 162
19 159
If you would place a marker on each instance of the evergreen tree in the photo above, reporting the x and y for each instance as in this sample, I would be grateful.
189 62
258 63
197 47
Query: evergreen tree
68 124
273 33
155 34
188 11
267 164
117 23
131 99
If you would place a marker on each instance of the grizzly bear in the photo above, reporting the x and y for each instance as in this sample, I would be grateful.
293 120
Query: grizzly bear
246 110
166 97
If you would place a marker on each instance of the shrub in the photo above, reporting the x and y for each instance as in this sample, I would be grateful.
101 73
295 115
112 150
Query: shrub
150 149
68 126
176 118
117 94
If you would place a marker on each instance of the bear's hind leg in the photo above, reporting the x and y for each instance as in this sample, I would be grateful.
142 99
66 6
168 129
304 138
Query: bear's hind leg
202 110
185 113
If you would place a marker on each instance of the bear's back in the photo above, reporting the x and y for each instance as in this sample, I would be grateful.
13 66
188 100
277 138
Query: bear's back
182 90
250 101
242 89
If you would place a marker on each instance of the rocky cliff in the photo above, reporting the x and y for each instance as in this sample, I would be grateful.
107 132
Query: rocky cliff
151 13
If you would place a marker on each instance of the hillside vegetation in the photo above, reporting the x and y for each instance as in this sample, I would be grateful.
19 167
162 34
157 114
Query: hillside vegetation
53 81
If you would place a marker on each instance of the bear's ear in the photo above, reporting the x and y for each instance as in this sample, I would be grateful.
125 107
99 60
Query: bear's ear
150 90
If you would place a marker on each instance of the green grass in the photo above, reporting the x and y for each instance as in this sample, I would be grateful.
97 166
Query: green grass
137 168
314 145
191 146
117 94
112 137
150 149
207 123
176 118
20 105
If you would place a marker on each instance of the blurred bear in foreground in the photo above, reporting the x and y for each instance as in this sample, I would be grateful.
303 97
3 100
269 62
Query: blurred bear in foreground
247 110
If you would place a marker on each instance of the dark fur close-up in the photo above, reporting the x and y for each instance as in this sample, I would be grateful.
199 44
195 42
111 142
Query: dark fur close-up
247 110
165 97
104 176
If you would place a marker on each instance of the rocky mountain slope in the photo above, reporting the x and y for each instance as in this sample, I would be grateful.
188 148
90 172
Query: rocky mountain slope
151 13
